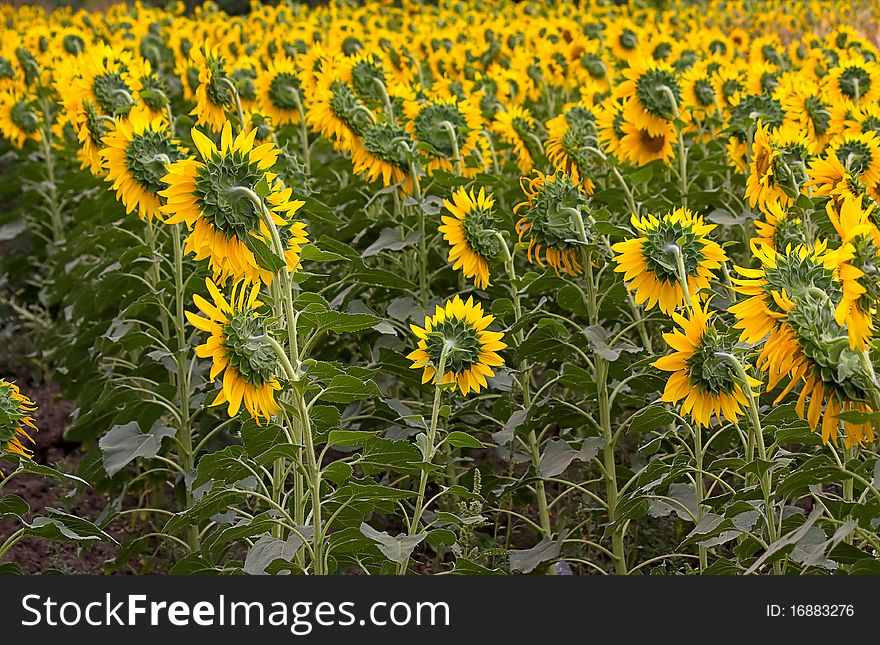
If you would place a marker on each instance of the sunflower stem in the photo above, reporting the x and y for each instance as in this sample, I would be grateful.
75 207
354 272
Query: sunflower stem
453 139
682 151
423 242
184 435
682 274
55 210
700 487
600 366
630 200
758 433
431 447
237 100
303 131
524 380
10 542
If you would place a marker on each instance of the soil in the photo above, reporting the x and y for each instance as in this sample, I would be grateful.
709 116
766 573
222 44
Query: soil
35 555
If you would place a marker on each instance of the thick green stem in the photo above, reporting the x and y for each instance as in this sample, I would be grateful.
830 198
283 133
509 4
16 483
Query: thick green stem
682 274
453 139
184 433
742 379
431 448
600 365
10 542
303 132
423 241
54 200
524 381
700 488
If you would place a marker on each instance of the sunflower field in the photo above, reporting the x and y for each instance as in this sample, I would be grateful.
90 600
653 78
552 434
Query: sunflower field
466 287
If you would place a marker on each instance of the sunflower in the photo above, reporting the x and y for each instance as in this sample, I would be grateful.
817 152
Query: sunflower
547 220
806 105
728 82
859 154
279 91
828 178
567 136
779 228
516 126
649 263
427 124
237 350
832 373
654 93
639 147
623 39
90 128
149 88
101 80
334 110
137 152
779 161
699 96
213 95
384 151
609 123
471 350
854 82
471 233
858 269
701 378
16 420
19 120
225 225
771 291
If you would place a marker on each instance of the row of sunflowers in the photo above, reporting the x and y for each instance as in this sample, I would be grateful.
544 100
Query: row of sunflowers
473 287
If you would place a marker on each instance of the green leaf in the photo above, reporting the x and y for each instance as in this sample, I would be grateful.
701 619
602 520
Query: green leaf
268 549
558 455
650 418
378 277
340 322
527 560
264 255
125 443
390 239
395 548
223 466
13 506
61 526
460 439
312 253
349 437
345 389
262 189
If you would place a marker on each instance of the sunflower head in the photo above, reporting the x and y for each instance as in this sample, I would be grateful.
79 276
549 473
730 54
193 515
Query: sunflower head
650 263
213 94
280 91
567 136
654 92
835 374
16 420
221 199
136 155
384 151
779 229
471 233
19 119
239 350
457 333
549 221
702 374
